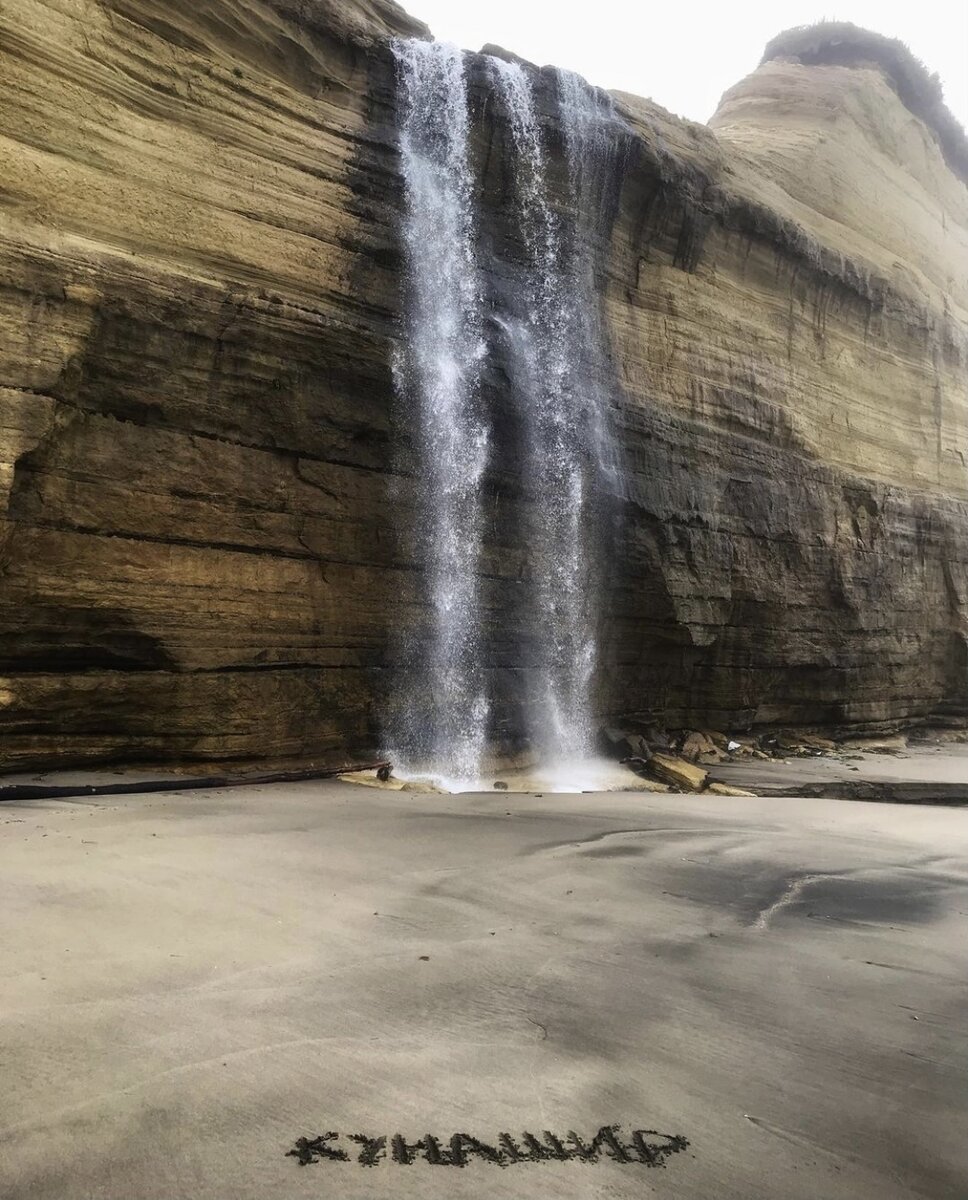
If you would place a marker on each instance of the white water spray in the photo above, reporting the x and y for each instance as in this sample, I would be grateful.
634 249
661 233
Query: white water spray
438 371
552 349
552 365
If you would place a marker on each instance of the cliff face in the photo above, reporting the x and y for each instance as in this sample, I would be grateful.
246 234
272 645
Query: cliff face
195 311
201 479
796 401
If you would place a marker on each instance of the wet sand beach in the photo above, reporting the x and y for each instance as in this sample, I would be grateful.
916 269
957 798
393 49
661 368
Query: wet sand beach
192 981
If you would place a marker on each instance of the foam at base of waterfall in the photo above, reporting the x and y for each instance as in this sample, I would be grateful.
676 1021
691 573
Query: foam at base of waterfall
587 774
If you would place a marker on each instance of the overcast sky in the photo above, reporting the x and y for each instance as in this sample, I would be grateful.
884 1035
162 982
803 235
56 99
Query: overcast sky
685 53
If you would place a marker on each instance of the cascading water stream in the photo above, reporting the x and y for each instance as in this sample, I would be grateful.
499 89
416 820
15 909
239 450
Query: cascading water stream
445 727
596 140
551 349
546 378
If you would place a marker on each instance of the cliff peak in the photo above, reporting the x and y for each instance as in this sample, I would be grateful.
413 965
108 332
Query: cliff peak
841 43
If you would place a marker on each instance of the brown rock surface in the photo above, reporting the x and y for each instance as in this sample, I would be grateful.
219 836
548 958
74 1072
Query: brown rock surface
199 291
676 771
726 789
798 396
194 411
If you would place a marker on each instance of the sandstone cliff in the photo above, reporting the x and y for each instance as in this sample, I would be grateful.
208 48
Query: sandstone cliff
800 393
199 299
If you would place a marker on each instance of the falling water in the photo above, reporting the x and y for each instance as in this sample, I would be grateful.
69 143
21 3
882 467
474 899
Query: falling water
553 352
438 372
596 142
546 332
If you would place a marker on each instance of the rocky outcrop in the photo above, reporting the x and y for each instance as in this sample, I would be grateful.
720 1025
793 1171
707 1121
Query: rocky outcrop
196 306
200 475
789 324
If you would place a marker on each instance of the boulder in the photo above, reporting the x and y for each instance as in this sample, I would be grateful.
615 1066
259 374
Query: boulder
373 779
696 744
656 738
682 775
625 744
644 784
727 789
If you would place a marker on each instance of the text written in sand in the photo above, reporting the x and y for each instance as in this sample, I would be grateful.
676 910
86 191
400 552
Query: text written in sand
646 1147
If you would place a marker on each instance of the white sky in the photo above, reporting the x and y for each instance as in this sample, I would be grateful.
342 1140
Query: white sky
685 53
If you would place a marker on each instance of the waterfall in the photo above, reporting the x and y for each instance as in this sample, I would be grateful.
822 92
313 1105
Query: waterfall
551 349
555 375
444 727
543 381
596 142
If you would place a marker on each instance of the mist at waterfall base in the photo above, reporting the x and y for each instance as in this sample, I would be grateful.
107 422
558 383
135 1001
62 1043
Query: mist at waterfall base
546 334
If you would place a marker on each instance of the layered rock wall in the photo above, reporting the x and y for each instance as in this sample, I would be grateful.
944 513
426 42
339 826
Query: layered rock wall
789 327
195 310
201 481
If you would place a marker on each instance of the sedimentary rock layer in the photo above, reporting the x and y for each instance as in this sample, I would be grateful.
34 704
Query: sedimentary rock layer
789 330
201 477
197 297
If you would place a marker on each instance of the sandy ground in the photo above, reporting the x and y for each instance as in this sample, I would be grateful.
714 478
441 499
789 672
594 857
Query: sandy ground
945 765
191 981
